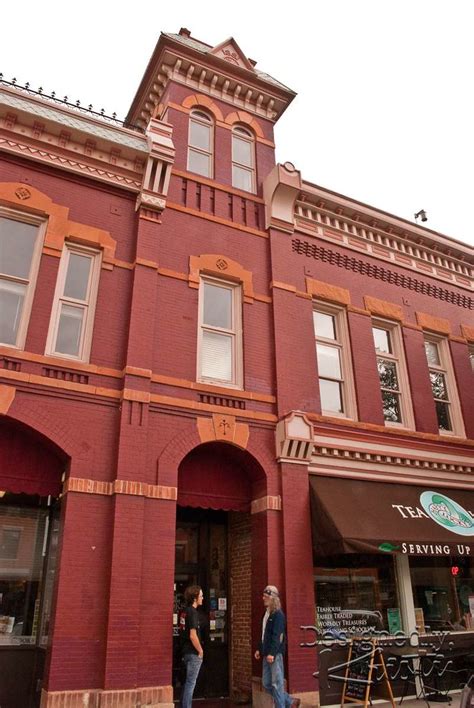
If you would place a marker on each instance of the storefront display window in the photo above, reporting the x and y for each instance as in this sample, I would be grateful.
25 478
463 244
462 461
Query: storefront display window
443 593
23 533
356 593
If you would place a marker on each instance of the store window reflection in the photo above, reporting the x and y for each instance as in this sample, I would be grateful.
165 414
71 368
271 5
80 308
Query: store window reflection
356 593
24 524
443 593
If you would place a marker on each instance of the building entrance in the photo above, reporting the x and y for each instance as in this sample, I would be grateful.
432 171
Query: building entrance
202 559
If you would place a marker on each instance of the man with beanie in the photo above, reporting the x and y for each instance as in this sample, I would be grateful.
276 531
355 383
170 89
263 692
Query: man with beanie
272 650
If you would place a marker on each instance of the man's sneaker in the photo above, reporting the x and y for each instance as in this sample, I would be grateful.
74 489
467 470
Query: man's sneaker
296 703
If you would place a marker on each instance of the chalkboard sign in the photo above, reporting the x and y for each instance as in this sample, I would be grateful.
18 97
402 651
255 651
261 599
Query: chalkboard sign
361 682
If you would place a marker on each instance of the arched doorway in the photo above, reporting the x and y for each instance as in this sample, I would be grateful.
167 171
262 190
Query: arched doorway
216 484
31 468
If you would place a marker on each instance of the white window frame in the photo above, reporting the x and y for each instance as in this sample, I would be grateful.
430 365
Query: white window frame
16 215
398 357
242 133
445 367
203 118
235 332
342 343
88 305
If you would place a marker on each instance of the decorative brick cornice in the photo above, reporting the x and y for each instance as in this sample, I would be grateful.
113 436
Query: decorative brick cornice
268 503
119 486
335 218
43 131
349 262
194 65
435 324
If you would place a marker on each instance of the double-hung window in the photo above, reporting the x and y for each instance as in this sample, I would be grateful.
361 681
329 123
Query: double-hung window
443 387
394 386
243 159
20 250
200 144
220 333
70 331
334 366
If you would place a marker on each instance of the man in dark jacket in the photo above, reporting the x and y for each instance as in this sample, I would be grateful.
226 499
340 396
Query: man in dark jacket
272 649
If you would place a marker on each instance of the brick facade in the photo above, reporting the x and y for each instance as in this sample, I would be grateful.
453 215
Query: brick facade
122 422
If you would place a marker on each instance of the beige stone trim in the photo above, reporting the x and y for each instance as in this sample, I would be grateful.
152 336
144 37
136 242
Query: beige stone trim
468 332
119 486
435 324
325 291
131 394
382 308
94 698
268 503
222 267
223 427
7 395
282 286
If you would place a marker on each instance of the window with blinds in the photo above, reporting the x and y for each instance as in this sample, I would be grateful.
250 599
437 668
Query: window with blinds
220 333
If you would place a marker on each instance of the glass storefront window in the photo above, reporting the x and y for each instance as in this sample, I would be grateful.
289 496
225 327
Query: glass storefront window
23 535
356 593
443 593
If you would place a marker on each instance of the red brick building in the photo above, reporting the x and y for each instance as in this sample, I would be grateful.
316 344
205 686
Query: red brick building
214 371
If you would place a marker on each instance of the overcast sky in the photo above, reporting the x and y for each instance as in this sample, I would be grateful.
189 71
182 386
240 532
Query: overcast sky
384 112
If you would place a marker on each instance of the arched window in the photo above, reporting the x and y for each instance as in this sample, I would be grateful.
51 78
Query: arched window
200 144
243 159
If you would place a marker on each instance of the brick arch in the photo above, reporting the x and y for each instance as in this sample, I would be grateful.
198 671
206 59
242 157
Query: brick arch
33 415
198 99
186 441
222 267
26 198
246 119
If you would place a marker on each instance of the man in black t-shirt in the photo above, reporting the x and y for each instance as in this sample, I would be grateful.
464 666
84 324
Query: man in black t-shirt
192 645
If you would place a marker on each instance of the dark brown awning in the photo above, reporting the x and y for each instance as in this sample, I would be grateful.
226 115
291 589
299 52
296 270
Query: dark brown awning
350 516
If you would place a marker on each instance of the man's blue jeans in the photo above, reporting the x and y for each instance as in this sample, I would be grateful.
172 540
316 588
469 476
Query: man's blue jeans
273 681
193 665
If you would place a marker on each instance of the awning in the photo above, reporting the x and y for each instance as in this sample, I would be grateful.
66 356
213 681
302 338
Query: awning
351 516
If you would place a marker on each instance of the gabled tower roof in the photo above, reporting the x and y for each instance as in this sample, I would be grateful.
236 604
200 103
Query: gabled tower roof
222 71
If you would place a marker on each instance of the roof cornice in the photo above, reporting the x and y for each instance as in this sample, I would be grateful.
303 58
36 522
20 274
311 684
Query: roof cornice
324 212
210 74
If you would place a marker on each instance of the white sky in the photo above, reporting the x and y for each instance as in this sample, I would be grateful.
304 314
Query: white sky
384 112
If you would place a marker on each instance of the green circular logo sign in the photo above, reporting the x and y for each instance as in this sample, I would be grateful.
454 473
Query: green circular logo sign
447 513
